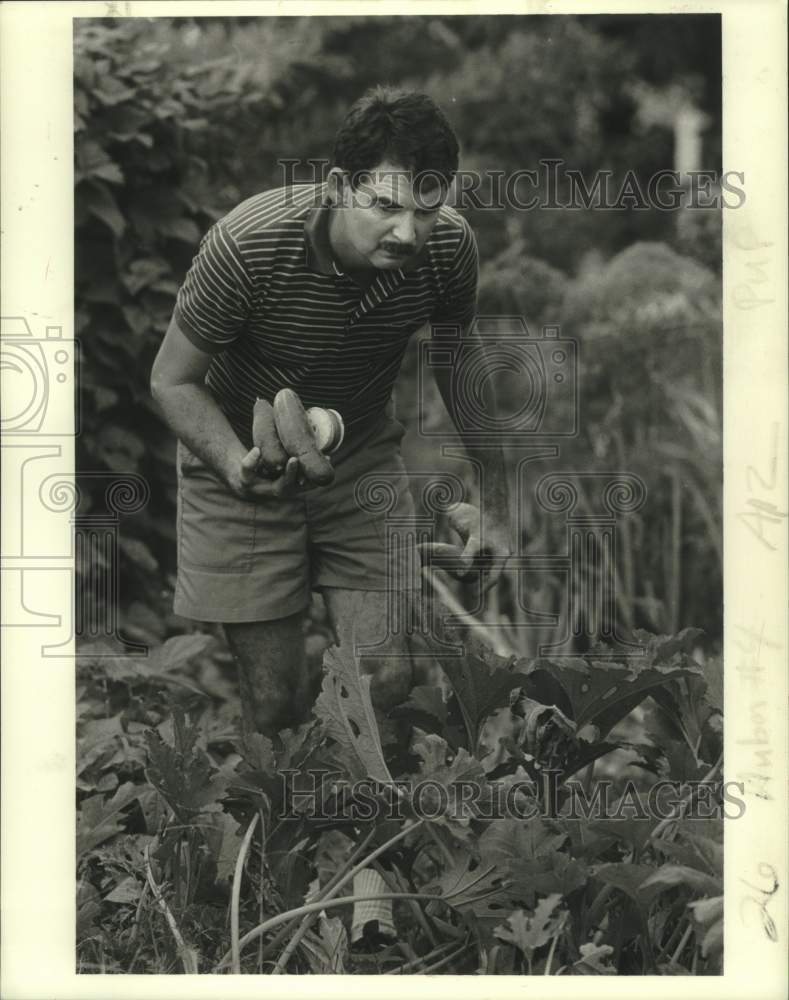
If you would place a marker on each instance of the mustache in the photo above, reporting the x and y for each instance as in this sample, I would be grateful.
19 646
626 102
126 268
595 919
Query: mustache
399 249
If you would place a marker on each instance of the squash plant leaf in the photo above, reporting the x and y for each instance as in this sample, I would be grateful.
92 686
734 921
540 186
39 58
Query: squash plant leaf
530 931
530 854
604 692
481 681
455 774
345 706
425 706
182 773
629 878
479 887
628 818
99 819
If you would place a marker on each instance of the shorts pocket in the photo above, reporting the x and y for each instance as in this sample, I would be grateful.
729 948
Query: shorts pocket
216 531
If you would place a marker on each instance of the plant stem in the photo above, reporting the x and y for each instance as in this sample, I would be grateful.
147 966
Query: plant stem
414 963
261 905
681 946
316 907
186 954
236 895
441 846
364 863
443 961
278 938
549 963
138 914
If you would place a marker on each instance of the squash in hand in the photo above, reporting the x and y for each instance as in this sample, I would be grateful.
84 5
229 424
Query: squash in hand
273 456
328 428
298 439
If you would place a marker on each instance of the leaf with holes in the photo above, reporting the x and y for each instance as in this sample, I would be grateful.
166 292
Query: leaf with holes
604 693
346 708
455 777
483 888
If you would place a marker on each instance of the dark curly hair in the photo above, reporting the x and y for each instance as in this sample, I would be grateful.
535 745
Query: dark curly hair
406 128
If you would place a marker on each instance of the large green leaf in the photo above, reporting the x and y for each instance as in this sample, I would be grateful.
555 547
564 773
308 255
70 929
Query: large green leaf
603 692
182 772
99 819
346 708
481 679
631 879
530 852
481 887
436 767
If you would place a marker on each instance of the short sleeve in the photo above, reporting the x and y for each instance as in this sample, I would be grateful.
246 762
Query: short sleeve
215 298
458 304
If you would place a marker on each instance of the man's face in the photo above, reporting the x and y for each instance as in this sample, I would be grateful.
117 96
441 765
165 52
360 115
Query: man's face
386 220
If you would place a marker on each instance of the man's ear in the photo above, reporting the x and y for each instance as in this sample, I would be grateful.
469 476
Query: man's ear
337 186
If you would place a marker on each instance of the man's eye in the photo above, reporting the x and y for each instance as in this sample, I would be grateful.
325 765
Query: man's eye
391 209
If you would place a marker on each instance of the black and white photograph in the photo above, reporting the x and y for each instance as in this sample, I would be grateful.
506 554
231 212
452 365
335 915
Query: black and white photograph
396 534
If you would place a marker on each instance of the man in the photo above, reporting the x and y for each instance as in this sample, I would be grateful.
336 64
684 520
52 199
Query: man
317 288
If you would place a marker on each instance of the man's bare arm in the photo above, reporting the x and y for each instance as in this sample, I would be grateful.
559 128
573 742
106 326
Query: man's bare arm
190 410
495 514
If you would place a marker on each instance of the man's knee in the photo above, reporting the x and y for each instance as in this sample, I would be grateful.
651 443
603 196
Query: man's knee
272 672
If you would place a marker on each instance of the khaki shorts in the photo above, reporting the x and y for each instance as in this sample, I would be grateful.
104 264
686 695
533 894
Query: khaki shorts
243 561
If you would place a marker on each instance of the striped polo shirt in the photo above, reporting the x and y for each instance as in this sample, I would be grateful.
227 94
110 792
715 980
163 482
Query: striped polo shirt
264 296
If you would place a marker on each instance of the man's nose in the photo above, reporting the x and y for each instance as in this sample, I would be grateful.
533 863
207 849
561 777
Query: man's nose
404 230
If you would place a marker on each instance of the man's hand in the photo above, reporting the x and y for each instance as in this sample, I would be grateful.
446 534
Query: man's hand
489 557
245 482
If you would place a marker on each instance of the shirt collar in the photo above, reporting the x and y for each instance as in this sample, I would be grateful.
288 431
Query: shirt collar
316 235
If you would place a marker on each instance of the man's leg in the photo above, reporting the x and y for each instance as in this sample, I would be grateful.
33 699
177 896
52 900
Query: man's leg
272 669
360 617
